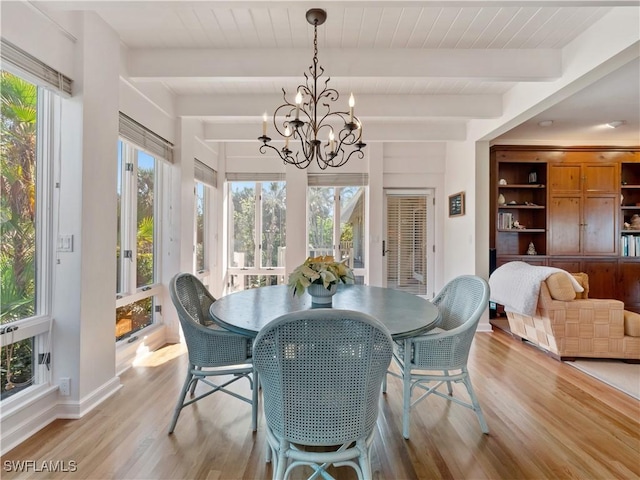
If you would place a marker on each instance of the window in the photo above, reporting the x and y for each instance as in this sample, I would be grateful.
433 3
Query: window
337 223
201 210
257 234
206 180
27 130
137 246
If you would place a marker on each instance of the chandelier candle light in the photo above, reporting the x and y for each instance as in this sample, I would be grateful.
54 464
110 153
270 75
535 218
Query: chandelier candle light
310 118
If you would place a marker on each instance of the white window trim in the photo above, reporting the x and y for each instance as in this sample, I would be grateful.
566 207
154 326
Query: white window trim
207 203
256 270
130 292
39 326
358 272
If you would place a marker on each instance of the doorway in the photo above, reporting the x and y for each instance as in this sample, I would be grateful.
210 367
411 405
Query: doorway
409 241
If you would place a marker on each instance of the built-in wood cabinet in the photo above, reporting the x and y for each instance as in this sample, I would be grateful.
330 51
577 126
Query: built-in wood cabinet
571 203
629 283
583 209
629 206
521 198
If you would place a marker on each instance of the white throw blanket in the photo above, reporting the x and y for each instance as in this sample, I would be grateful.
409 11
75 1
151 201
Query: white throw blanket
516 285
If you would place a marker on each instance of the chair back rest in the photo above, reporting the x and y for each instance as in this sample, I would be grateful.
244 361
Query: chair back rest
461 303
461 300
193 296
207 346
321 373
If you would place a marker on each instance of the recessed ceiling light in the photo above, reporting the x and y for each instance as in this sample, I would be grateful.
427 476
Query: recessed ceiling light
615 123
545 123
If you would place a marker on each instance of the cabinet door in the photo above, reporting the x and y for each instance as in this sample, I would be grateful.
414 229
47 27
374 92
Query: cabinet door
564 226
565 178
600 178
602 275
629 291
600 235
570 265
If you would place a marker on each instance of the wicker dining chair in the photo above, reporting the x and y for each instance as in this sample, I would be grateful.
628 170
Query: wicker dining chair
440 357
321 371
213 351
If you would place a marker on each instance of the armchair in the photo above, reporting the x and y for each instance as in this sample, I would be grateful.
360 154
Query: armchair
580 327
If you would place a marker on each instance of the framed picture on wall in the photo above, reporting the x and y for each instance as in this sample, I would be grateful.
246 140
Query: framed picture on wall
456 204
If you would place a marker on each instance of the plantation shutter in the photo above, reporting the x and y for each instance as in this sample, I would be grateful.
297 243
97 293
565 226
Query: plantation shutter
406 247
31 65
205 174
144 138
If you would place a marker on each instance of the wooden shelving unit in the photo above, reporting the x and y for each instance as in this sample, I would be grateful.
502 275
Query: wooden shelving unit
574 214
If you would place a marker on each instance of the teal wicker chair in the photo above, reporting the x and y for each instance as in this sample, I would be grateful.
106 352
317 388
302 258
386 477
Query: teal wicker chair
212 350
321 371
428 361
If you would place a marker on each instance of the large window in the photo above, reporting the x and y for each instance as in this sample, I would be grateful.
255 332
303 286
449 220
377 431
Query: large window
336 225
257 234
201 211
206 180
137 247
27 130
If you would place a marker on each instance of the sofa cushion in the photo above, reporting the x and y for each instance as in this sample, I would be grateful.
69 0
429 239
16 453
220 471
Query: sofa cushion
583 280
631 324
560 286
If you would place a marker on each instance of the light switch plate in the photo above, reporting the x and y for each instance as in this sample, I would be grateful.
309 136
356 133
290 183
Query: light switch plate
65 243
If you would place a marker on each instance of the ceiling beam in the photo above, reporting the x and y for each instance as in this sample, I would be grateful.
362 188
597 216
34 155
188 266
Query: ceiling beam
507 65
367 106
414 131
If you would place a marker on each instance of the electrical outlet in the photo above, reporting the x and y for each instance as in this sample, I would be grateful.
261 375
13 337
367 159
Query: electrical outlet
65 386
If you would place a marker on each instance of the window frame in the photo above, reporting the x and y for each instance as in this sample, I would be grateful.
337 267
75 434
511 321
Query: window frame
131 293
359 272
207 208
38 326
257 269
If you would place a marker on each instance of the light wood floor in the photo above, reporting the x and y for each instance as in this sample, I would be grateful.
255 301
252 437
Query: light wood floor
547 420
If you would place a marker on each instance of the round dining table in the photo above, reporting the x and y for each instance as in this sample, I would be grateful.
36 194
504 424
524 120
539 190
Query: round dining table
247 311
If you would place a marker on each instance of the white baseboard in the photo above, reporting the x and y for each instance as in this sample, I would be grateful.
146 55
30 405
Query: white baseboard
30 417
75 410
23 421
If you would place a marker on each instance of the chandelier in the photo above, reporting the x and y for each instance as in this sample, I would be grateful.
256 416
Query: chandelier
310 119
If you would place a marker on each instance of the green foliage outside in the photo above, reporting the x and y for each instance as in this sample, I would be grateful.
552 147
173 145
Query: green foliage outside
273 222
17 217
140 313
321 204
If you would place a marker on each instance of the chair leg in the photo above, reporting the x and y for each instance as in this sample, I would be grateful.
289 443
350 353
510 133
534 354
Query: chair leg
192 390
476 404
449 387
365 461
254 401
406 403
281 464
181 398
384 383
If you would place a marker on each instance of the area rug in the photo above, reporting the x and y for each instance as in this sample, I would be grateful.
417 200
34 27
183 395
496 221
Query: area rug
623 376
